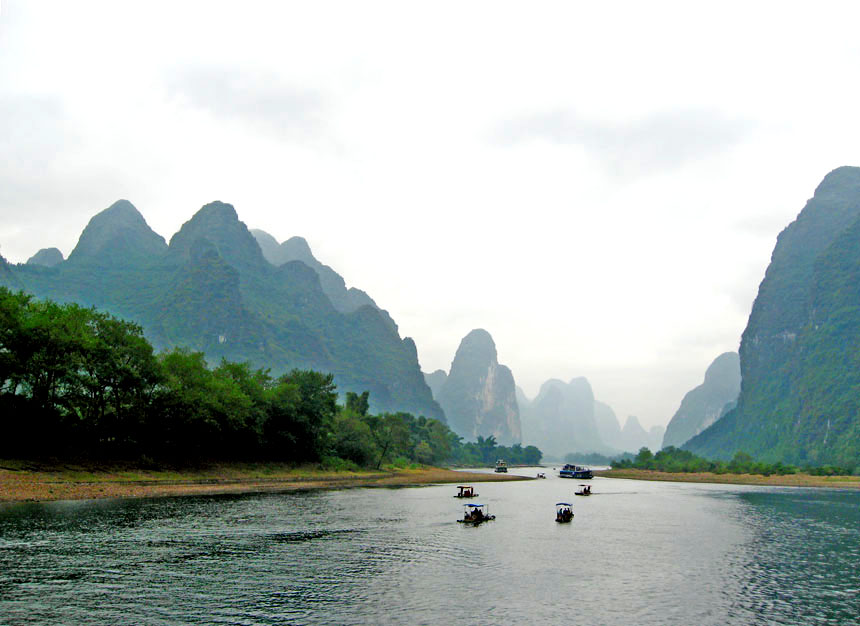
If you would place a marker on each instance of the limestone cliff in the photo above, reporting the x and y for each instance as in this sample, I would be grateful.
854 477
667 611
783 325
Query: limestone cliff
799 362
479 394
703 405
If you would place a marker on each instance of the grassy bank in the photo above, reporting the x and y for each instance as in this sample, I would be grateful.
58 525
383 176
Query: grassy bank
788 480
28 481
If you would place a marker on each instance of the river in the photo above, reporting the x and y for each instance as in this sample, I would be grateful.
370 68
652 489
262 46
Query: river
636 553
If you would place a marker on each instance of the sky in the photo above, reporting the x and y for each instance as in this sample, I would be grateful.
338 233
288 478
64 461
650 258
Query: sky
598 185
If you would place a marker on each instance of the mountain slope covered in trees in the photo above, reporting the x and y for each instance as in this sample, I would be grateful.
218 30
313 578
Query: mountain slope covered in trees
211 289
800 352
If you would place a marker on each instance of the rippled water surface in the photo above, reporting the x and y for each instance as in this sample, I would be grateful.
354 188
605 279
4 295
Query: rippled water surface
636 553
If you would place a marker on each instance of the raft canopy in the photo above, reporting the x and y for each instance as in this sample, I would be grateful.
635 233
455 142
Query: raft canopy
563 504
474 505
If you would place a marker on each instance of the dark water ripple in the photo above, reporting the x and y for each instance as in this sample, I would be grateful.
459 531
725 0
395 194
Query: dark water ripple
636 553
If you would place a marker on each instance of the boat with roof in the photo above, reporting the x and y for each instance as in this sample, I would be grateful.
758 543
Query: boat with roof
501 467
563 512
475 514
466 491
575 471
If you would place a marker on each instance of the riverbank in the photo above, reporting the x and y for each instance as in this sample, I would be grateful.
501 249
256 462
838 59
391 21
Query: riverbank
789 480
30 482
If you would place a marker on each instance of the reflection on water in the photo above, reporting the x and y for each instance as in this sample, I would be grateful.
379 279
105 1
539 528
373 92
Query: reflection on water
637 552
801 565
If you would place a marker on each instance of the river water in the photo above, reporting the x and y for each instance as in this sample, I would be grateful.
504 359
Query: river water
636 553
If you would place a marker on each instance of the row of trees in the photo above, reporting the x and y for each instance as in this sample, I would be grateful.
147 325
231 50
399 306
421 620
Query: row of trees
487 452
672 459
79 382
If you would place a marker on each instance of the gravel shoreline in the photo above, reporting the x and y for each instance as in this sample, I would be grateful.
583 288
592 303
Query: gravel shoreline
27 485
789 480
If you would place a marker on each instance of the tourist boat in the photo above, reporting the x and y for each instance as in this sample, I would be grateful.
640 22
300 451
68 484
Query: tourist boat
475 514
585 491
541 475
466 491
501 467
575 471
563 512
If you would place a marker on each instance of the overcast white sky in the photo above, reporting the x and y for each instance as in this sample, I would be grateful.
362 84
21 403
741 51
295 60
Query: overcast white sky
599 185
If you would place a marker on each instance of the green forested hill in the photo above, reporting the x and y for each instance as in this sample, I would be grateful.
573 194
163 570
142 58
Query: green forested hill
211 289
800 351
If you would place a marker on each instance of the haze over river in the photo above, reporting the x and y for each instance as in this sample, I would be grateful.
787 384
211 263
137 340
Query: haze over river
636 553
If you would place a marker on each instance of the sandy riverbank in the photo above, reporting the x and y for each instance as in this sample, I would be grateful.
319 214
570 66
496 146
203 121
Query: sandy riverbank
22 482
789 480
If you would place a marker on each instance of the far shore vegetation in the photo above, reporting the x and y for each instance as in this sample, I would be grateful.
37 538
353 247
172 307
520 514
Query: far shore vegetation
77 383
676 461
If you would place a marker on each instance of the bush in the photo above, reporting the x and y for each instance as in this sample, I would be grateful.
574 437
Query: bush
337 464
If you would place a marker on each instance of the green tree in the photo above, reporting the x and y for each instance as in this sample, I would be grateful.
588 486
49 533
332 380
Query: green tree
644 456
358 403
424 453
390 434
741 463
300 418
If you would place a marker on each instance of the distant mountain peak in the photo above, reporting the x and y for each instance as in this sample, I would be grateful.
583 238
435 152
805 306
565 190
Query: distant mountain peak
705 404
218 210
478 344
479 394
838 179
561 419
298 247
436 380
218 223
117 235
47 257
632 423
725 366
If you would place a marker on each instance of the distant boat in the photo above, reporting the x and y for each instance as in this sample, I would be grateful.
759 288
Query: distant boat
475 514
501 467
541 475
466 491
585 491
563 512
575 471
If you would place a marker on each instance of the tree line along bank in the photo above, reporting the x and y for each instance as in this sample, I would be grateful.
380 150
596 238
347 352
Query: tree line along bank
79 383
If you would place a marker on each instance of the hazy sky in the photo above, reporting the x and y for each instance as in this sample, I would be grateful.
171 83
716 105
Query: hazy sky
598 185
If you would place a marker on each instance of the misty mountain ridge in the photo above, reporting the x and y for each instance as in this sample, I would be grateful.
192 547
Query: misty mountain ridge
333 285
705 404
212 289
436 380
565 418
634 436
560 419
